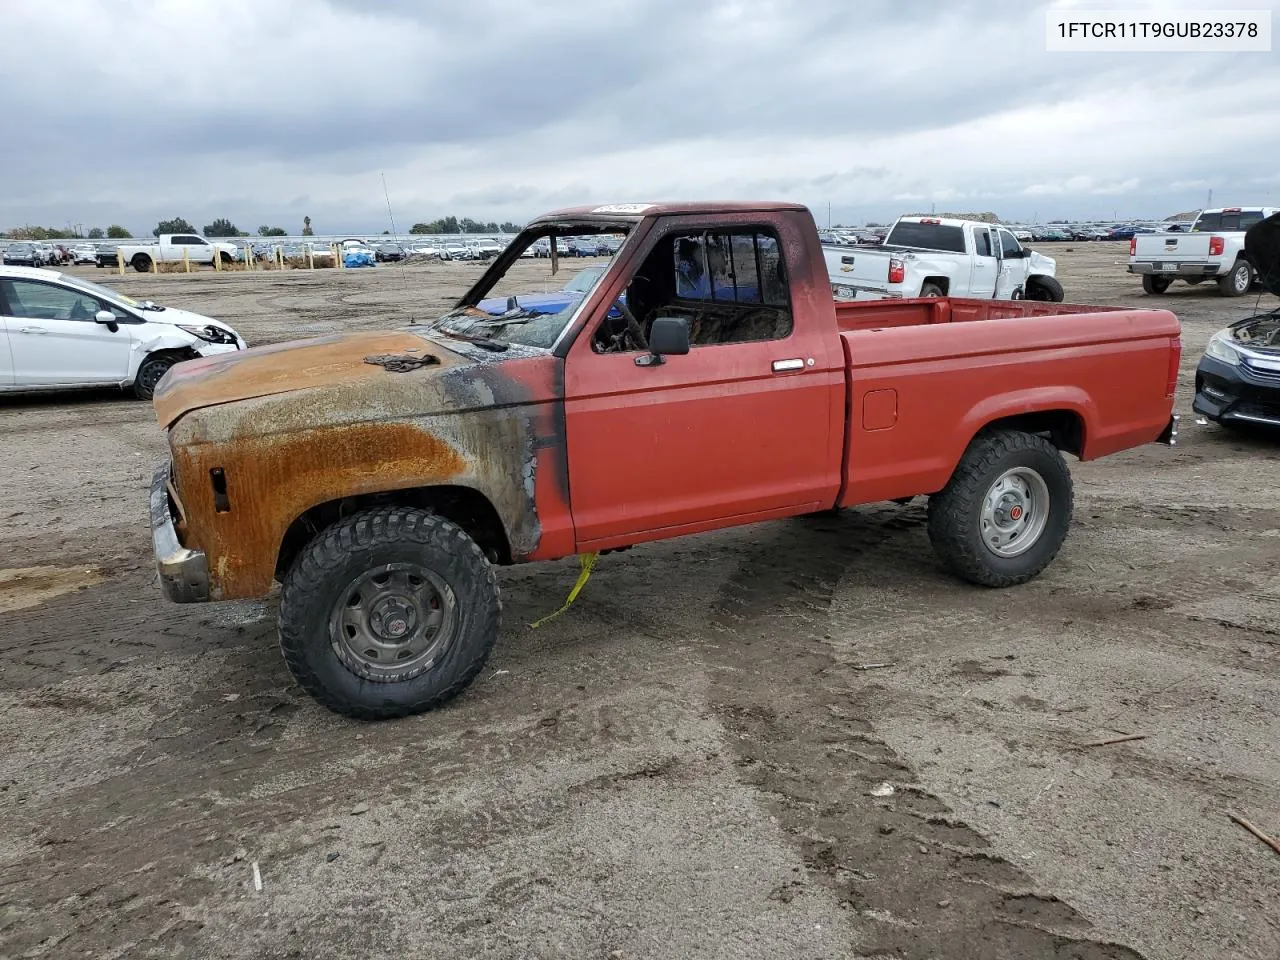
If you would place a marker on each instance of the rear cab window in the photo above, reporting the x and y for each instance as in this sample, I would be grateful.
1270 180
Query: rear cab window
926 236
1227 221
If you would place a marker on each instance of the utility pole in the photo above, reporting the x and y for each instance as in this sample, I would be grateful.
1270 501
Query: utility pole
828 214
1209 203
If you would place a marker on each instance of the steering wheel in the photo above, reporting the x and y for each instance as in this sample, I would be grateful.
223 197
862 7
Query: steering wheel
634 329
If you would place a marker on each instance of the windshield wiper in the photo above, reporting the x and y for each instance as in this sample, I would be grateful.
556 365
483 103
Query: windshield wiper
497 346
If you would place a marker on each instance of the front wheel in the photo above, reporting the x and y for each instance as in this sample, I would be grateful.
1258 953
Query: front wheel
1004 514
1155 285
1235 283
387 613
150 374
1045 288
142 263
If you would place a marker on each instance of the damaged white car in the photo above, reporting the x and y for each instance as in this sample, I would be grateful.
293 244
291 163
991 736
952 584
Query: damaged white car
58 331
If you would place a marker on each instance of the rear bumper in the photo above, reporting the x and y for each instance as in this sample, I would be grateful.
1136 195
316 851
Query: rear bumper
1169 268
184 574
1231 394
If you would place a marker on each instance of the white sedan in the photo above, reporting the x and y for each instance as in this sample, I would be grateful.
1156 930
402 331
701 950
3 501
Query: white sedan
59 331
87 255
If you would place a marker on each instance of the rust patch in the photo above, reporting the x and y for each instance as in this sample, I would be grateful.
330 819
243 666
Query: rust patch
272 480
263 371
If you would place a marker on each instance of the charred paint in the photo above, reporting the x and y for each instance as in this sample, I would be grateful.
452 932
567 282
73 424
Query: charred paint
279 368
332 427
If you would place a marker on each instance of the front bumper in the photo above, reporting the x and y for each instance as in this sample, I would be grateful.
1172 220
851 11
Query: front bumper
1227 393
184 574
1169 268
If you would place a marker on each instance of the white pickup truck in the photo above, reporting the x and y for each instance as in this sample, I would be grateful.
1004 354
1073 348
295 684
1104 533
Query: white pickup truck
940 257
174 248
1213 249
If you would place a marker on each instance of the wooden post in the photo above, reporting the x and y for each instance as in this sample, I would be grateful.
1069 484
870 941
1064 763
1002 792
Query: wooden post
279 256
120 260
186 260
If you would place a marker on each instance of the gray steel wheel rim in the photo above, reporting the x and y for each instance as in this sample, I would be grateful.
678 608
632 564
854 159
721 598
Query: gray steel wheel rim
1015 512
1241 279
393 622
152 374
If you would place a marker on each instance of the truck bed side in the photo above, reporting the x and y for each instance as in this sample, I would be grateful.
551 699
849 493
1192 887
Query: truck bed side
924 376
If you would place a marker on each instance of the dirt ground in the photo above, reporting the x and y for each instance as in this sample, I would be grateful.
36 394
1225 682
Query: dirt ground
687 763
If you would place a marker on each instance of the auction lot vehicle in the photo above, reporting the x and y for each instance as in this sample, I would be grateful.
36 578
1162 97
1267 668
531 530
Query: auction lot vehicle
1212 250
175 248
706 380
58 331
1238 378
940 257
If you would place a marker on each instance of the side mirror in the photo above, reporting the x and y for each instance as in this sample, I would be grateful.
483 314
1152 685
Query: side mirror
107 319
667 335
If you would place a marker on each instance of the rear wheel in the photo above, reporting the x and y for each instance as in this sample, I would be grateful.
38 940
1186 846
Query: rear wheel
1236 282
1154 284
931 290
1004 514
387 613
1045 288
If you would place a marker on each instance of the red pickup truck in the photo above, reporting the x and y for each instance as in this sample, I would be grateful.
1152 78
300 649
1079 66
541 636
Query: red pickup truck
707 380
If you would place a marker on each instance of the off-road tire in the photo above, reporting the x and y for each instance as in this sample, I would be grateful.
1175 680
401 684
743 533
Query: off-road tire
1155 285
955 511
931 290
346 550
149 374
1047 289
1236 282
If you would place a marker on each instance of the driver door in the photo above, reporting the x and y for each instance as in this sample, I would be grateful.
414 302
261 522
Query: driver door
1013 265
54 338
745 426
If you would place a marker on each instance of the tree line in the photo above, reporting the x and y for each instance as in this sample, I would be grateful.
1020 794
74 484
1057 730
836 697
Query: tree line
465 225
113 232
223 227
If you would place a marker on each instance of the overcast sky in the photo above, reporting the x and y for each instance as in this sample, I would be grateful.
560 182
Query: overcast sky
264 111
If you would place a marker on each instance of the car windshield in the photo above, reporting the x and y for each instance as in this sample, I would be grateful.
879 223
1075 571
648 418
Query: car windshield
97 289
584 280
528 326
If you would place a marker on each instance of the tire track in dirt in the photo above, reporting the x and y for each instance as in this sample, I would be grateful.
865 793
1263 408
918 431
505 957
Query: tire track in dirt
923 884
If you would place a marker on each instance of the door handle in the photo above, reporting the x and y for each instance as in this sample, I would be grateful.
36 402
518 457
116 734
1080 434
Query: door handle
783 366
40 330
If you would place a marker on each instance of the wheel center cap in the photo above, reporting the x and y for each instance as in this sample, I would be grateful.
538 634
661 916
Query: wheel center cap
393 619
1016 512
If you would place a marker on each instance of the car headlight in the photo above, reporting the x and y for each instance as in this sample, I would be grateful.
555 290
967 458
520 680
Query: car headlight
1220 349
209 334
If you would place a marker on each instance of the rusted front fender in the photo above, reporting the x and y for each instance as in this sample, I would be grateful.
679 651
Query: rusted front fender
246 470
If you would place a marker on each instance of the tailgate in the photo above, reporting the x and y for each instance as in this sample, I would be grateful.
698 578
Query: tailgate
1171 247
863 268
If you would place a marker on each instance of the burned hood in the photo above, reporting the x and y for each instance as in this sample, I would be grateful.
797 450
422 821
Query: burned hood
340 359
1262 248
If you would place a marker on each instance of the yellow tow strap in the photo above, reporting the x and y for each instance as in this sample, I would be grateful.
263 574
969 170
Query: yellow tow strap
586 561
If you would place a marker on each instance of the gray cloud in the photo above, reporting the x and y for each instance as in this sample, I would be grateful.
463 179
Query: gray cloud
264 112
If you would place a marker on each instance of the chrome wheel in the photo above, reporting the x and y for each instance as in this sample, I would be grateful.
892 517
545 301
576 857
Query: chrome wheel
1014 512
394 622
1242 279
